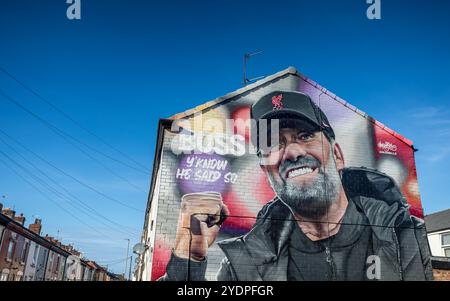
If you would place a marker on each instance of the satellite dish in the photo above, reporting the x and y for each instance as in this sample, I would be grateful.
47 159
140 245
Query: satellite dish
139 248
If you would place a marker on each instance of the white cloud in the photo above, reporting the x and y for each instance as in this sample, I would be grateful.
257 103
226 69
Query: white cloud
438 155
427 112
432 125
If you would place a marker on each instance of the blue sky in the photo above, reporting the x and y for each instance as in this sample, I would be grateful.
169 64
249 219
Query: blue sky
127 63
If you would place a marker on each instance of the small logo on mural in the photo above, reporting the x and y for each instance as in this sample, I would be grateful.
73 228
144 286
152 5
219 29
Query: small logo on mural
387 148
276 101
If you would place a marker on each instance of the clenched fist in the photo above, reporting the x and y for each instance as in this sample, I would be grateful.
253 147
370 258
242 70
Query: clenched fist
199 222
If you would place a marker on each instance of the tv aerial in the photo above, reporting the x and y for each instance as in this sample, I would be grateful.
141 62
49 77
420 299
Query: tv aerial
247 56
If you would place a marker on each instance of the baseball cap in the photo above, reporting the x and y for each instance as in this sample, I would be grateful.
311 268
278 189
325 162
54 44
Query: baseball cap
293 106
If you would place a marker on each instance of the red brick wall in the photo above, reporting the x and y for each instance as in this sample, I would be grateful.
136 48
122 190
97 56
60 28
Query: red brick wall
441 275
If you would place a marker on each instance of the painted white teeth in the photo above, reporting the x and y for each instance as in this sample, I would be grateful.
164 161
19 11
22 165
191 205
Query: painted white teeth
299 172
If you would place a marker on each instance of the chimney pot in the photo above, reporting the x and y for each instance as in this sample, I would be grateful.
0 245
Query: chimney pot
9 213
20 219
36 227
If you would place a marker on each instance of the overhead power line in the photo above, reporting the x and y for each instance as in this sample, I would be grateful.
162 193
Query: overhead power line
118 262
112 261
88 210
67 116
50 188
52 200
66 137
64 134
71 176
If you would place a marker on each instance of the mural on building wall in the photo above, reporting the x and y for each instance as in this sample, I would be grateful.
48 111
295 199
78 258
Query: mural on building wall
333 197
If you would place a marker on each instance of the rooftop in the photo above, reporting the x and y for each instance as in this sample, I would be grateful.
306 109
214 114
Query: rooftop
438 221
273 77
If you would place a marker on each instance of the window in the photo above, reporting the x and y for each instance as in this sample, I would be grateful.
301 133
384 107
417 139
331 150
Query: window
446 243
445 239
57 264
4 275
35 254
50 262
23 256
11 247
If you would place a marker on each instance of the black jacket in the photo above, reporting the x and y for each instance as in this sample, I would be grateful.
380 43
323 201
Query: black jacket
398 239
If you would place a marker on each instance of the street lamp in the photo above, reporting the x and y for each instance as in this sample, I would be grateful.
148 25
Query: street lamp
139 249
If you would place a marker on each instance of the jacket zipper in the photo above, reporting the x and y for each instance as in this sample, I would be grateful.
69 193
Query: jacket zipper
399 259
330 263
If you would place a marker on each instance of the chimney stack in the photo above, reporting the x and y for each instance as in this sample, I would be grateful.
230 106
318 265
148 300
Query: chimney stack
9 213
36 227
20 219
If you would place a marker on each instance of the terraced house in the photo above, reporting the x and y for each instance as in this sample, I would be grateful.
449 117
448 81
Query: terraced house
25 255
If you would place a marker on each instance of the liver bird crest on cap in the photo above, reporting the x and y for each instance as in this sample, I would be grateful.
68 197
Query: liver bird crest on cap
277 102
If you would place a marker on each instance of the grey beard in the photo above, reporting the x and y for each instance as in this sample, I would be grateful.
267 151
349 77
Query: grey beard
311 201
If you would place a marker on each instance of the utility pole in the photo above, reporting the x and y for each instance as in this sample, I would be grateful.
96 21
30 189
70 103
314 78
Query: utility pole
131 263
126 261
